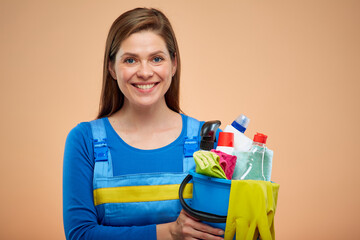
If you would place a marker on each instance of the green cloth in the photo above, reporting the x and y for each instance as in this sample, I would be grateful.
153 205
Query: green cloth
207 163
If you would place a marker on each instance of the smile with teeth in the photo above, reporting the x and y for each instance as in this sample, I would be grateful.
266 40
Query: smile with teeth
145 86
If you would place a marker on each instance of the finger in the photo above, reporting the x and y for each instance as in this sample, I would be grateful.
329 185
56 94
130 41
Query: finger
202 227
202 235
195 223
189 216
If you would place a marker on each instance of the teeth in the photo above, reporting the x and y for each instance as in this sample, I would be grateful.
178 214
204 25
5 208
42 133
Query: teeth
147 86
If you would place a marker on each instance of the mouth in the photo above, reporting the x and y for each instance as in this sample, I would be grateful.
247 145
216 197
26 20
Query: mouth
145 86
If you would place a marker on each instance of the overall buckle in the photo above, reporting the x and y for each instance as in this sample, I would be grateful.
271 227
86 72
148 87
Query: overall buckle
100 150
191 145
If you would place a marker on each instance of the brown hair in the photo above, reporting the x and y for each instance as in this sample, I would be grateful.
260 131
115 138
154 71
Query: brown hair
130 22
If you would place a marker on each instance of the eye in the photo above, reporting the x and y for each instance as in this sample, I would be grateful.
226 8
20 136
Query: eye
157 59
129 60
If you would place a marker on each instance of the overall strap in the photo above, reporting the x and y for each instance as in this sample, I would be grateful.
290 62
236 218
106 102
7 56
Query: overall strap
103 162
191 143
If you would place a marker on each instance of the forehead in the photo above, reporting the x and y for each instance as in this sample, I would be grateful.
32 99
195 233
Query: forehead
143 42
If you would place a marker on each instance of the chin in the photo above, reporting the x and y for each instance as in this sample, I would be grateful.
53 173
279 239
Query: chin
148 104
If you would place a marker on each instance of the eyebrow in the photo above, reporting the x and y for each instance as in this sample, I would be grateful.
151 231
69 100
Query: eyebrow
135 55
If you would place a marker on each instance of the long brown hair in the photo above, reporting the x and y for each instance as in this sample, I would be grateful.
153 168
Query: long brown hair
138 19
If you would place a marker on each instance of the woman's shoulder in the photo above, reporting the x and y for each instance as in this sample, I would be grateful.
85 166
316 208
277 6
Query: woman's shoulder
85 128
190 118
78 145
81 132
191 122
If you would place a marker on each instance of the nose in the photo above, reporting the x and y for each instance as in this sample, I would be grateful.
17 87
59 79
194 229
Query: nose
145 71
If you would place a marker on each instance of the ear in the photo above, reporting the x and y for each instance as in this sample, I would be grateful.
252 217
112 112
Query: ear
174 65
111 70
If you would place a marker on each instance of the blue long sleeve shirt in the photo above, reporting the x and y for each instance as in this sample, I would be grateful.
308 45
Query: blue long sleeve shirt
79 213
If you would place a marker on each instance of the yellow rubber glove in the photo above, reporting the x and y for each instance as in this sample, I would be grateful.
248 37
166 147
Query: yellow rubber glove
251 211
207 163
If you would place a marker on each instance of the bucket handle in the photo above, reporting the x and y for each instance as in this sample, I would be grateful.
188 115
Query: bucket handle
203 216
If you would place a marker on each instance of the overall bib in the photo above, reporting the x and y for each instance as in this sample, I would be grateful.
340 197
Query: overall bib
139 199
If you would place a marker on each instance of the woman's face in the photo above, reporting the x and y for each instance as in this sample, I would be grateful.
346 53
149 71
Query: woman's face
143 69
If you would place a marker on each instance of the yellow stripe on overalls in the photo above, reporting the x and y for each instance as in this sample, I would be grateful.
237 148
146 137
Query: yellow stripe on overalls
140 193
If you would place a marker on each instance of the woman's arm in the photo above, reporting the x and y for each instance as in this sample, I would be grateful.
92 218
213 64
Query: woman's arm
79 213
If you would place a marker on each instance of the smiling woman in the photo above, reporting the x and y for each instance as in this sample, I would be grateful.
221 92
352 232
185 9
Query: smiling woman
123 170
124 26
143 69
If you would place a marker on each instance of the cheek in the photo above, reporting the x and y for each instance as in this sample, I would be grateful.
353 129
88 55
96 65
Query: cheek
165 72
125 74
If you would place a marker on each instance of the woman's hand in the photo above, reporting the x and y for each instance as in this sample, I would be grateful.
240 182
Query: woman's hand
186 227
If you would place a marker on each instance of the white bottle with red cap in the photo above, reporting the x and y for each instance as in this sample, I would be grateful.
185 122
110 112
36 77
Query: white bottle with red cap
226 142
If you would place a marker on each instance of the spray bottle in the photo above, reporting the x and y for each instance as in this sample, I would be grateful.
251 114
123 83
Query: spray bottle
208 134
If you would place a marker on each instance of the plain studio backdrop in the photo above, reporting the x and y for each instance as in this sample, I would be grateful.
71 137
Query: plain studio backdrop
293 67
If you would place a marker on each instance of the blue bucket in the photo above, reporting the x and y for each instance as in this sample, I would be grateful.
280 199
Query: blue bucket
210 199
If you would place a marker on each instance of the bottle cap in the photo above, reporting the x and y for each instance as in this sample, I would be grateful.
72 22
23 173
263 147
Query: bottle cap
226 139
260 138
241 123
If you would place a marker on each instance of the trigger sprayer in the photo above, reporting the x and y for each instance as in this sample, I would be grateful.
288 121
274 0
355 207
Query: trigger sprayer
208 134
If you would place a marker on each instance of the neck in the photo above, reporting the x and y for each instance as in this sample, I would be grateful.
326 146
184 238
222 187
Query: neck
140 117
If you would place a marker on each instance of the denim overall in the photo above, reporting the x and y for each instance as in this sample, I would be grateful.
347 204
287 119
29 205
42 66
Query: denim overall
139 199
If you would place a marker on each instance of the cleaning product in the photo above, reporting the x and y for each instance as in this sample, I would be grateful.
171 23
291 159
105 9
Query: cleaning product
238 127
259 160
226 142
208 134
241 164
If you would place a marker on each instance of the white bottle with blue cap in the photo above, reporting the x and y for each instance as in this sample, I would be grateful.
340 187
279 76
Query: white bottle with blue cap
241 142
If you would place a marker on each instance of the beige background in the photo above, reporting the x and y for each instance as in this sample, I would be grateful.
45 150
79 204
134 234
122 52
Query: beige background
293 67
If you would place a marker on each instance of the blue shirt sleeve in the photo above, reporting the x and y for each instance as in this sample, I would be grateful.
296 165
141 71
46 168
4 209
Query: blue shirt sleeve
79 213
